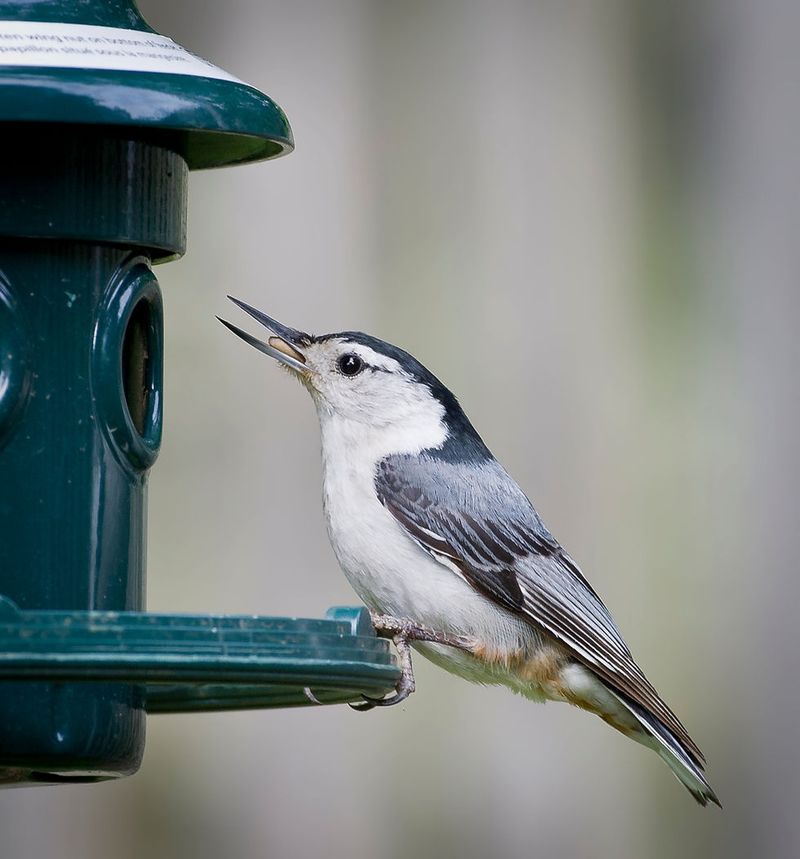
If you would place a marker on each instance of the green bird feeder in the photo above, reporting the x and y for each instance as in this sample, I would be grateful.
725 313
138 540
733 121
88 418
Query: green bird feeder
102 119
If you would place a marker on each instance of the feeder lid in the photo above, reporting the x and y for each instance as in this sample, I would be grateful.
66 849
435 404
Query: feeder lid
99 63
189 663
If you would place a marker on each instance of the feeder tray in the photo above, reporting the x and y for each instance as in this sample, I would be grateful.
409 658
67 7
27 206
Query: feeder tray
191 663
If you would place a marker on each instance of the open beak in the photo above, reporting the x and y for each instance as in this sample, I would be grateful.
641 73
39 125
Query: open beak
284 343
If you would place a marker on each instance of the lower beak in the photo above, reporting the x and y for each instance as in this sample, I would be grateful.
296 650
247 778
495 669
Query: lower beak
284 343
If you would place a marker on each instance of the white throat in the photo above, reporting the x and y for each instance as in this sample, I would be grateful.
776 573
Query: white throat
395 418
345 440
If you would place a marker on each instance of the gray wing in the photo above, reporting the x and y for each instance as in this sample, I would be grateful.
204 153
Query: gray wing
477 518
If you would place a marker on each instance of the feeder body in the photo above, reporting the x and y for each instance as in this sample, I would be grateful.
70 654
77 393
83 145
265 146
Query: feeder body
100 121
81 404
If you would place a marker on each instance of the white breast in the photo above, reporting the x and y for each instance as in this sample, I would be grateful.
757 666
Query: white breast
388 570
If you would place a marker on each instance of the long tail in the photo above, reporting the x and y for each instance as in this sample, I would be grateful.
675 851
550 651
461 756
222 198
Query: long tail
686 768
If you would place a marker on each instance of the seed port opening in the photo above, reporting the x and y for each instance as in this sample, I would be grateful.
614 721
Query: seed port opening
137 357
127 365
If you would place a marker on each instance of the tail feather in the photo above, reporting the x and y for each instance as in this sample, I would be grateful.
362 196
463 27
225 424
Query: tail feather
685 768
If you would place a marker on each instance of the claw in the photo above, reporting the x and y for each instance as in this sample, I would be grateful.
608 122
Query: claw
401 632
311 696
370 703
366 704
405 685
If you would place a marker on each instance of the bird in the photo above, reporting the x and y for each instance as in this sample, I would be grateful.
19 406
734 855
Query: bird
448 553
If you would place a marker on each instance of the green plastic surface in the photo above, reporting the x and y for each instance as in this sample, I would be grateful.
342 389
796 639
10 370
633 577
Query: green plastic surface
73 467
189 663
93 190
99 13
209 122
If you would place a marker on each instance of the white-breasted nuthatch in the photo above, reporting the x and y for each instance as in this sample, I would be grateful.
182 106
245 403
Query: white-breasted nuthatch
447 551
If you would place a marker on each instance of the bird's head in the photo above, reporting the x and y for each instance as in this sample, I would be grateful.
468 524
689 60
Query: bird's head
367 383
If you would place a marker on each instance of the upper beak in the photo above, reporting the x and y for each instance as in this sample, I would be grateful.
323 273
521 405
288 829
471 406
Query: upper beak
283 345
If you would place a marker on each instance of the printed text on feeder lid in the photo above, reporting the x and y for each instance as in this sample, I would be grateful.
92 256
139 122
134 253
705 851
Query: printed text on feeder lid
79 46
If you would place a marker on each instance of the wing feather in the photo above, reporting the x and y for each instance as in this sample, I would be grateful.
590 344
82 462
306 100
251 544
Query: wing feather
484 526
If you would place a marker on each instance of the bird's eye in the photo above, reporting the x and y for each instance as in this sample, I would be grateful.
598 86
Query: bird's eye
350 364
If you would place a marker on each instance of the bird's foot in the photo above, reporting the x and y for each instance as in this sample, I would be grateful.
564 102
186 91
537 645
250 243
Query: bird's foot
405 685
403 631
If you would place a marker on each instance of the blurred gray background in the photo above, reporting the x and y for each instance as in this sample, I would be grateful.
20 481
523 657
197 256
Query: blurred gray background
584 217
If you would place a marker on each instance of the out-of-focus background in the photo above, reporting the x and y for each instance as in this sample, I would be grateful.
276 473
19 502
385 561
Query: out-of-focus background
584 217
